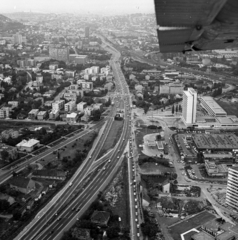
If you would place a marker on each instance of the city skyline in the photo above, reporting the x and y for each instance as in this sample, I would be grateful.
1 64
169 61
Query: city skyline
104 7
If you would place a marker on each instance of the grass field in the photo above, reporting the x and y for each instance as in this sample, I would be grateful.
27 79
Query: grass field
192 222
230 108
66 151
112 137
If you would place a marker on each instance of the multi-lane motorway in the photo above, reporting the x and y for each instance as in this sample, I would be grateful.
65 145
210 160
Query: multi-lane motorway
74 200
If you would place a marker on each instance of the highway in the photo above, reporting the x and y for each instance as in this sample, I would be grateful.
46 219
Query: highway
59 216
58 201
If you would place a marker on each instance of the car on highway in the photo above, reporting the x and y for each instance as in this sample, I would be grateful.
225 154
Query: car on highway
78 209
104 169
109 160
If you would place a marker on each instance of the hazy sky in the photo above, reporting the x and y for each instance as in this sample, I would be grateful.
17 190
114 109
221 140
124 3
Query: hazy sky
83 6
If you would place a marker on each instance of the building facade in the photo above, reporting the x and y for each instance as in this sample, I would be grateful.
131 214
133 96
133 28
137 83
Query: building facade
232 188
189 106
212 107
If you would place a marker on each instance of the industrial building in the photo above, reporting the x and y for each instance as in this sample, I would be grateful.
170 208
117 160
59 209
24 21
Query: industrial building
212 107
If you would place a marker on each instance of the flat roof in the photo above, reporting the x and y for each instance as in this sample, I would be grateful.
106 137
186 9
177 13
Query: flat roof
216 108
226 141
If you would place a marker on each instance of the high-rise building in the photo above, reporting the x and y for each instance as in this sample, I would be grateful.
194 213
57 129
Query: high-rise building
86 32
189 106
232 188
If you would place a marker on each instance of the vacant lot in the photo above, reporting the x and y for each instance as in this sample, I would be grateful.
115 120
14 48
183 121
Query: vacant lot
190 223
230 108
54 159
112 137
152 167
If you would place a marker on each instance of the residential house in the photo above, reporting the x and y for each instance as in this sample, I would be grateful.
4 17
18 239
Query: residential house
166 186
98 106
71 118
70 106
54 114
50 174
41 115
28 146
70 96
58 105
21 184
33 113
13 103
100 218
81 106
4 112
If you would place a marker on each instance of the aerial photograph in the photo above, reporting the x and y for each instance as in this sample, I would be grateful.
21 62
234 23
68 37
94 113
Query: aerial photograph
119 120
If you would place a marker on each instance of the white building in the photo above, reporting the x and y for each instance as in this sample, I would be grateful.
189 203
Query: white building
4 112
54 114
70 106
58 105
232 188
71 118
27 146
212 107
81 106
189 106
13 103
87 86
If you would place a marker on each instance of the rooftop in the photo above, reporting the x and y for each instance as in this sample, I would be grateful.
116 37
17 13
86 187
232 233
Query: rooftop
211 103
19 182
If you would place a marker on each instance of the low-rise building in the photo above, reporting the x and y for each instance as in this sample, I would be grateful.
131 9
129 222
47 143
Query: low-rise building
81 106
21 184
58 105
216 170
4 112
28 146
100 218
70 96
71 118
33 113
41 115
13 103
54 114
70 106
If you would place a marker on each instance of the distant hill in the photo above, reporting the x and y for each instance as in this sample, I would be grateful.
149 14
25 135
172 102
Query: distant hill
9 24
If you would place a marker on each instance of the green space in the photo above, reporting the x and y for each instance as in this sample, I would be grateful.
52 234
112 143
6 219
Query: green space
112 137
229 107
70 154
190 223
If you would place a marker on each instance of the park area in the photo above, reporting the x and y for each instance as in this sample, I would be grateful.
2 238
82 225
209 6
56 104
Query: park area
193 222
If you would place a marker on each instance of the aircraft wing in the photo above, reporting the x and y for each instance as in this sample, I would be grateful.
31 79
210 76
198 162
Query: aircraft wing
196 25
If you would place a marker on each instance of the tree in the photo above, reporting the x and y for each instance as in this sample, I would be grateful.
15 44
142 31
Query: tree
5 155
96 115
180 108
4 205
113 232
176 109
16 215
173 109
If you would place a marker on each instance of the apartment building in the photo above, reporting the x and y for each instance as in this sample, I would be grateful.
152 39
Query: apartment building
189 106
232 188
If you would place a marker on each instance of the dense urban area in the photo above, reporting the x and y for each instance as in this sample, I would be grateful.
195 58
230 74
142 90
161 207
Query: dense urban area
104 137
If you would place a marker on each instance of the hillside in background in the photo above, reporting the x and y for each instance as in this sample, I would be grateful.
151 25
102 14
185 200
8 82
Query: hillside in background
9 24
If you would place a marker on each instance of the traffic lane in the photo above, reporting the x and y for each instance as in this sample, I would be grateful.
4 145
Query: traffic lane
92 188
116 153
70 190
84 171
